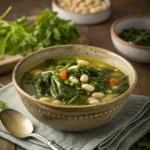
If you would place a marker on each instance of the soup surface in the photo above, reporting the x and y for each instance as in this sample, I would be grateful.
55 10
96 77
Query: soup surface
74 81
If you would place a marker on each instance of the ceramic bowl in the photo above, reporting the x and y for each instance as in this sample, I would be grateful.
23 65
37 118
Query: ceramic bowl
83 18
74 118
135 52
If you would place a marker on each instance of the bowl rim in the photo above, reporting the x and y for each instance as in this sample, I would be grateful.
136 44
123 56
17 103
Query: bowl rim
115 35
54 2
126 93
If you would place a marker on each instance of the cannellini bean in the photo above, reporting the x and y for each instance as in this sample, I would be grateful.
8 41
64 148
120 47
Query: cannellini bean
82 63
88 87
77 10
73 67
88 2
92 10
98 95
92 98
109 91
73 79
84 78
94 101
82 4
57 102
45 99
78 1
85 11
98 8
114 87
103 5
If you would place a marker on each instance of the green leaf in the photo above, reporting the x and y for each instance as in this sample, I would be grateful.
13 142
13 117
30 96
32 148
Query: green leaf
62 91
3 105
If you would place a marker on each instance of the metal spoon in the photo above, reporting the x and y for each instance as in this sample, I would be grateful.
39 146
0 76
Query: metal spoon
136 40
20 126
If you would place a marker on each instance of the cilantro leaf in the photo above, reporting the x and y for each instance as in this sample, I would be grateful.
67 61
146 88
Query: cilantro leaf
3 105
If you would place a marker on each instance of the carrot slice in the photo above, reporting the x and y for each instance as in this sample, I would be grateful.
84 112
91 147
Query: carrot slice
63 75
113 81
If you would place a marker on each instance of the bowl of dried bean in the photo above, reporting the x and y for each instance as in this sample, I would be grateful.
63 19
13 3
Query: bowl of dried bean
83 11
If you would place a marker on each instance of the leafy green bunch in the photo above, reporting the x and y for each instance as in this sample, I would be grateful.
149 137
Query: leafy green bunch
18 37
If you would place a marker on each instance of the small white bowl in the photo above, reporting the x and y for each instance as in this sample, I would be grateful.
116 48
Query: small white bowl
135 52
83 18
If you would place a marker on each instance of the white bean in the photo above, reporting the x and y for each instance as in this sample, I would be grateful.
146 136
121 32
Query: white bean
73 67
109 91
84 78
92 98
94 102
114 87
103 5
98 95
88 87
45 99
82 63
57 102
73 79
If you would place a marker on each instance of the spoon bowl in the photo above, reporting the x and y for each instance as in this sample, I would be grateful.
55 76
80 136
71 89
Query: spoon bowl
20 126
17 124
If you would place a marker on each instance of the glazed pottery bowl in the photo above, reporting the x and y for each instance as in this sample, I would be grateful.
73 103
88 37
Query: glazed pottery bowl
83 18
74 118
132 51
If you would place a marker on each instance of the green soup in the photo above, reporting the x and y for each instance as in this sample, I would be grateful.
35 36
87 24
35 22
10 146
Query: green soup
74 81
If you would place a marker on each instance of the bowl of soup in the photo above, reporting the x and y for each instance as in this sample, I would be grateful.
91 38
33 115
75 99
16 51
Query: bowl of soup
74 87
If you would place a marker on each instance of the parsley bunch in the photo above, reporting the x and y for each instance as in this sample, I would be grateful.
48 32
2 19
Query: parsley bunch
18 37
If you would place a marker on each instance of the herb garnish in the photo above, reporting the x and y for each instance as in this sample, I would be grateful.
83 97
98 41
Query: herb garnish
3 105
132 34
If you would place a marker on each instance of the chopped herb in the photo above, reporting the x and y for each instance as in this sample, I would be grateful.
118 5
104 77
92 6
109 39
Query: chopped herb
3 105
132 34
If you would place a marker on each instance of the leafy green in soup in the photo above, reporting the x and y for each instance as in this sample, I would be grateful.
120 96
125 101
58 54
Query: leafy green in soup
74 81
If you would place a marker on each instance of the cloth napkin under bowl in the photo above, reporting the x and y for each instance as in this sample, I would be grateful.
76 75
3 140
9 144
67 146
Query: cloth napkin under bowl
119 134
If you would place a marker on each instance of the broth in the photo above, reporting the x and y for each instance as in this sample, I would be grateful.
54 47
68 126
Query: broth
74 81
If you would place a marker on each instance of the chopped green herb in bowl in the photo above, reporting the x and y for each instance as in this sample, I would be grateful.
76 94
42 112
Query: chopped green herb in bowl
132 34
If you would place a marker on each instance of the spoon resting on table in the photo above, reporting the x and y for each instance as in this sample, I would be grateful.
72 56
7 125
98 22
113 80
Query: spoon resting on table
20 126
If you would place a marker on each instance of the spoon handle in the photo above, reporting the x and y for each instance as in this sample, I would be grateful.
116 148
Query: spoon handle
54 146
51 144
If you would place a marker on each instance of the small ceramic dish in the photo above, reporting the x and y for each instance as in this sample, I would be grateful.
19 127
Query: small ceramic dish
69 117
132 51
83 18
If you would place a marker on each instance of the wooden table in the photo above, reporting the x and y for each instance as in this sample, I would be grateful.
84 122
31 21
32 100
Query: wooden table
98 35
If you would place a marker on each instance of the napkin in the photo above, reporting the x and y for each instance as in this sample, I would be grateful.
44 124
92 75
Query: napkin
119 134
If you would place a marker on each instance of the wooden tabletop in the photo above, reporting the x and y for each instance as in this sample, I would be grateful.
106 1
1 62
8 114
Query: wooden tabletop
98 35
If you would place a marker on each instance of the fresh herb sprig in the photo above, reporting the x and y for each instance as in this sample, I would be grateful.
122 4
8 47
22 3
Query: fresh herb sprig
18 37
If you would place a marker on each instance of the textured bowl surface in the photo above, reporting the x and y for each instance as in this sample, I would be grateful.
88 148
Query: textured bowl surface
135 52
74 118
83 18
